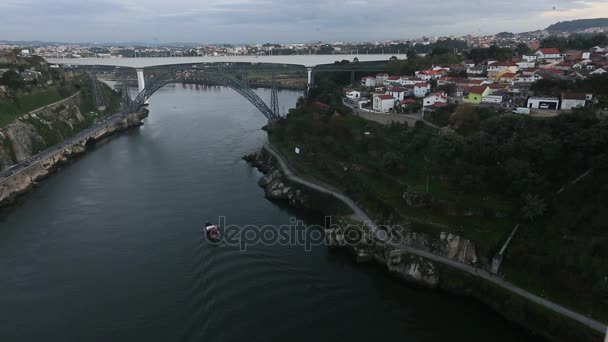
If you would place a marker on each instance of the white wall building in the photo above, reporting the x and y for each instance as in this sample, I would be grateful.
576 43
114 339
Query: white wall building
543 103
353 94
383 103
381 79
496 99
420 89
398 93
435 98
571 100
368 81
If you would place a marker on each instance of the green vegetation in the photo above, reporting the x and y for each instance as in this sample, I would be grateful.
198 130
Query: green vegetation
24 103
576 42
493 171
515 308
577 25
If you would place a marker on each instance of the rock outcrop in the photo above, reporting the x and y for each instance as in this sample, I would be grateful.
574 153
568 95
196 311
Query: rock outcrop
21 182
40 129
276 186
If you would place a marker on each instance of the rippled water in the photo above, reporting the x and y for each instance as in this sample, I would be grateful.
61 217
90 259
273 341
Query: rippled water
109 249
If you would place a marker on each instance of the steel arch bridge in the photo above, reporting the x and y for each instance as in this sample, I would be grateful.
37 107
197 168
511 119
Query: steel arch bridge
215 77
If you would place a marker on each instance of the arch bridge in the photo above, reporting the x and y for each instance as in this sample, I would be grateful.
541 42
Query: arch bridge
150 86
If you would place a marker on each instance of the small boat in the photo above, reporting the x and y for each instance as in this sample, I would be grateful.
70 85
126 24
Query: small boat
212 232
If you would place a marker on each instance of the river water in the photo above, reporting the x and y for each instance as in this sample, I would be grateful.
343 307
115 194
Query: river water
109 248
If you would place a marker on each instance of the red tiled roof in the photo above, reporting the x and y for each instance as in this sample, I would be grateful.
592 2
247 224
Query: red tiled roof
509 75
385 97
439 104
422 85
397 89
549 51
506 64
476 89
382 74
574 96
394 78
406 101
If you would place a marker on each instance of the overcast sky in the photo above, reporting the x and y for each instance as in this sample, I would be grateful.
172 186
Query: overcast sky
253 21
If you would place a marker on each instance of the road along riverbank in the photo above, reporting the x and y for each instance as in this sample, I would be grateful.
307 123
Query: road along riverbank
22 177
446 261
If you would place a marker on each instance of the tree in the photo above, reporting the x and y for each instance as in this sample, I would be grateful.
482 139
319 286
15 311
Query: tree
533 207
12 79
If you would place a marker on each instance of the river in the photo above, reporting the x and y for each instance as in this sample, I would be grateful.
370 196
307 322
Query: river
109 248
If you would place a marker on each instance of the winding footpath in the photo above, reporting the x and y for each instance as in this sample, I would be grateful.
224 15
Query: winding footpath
361 216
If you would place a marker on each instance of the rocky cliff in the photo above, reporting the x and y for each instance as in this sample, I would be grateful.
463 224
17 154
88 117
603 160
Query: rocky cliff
22 181
40 129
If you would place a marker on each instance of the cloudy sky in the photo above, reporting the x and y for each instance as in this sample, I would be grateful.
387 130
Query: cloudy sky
250 21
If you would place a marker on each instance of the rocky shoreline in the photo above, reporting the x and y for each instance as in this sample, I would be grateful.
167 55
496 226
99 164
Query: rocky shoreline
19 184
412 268
418 271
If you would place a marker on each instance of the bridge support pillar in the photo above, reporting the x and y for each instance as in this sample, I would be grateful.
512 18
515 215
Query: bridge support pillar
311 79
141 81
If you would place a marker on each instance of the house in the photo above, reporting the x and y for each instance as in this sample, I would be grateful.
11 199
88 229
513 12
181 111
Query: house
566 65
420 89
368 81
495 99
405 80
435 98
407 103
30 75
398 93
381 78
476 93
525 65
529 58
427 75
526 78
543 103
573 100
507 77
353 94
394 80
383 103
500 66
476 70
548 55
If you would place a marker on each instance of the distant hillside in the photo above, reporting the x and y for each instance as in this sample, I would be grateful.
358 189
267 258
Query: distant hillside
577 25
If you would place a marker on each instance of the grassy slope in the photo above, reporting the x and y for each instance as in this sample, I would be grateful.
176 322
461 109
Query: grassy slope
381 193
564 255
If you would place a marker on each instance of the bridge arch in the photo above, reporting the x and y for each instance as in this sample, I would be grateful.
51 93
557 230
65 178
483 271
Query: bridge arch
217 77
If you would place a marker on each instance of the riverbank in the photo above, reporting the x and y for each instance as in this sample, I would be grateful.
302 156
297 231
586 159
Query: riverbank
444 263
22 177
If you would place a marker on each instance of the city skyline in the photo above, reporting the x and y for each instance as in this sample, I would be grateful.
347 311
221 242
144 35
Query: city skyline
282 21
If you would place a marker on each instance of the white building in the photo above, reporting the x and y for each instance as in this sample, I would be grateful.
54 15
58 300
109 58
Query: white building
398 93
496 99
405 80
434 98
526 79
573 100
543 103
353 94
526 65
381 78
368 81
529 58
383 103
549 55
420 89
500 66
